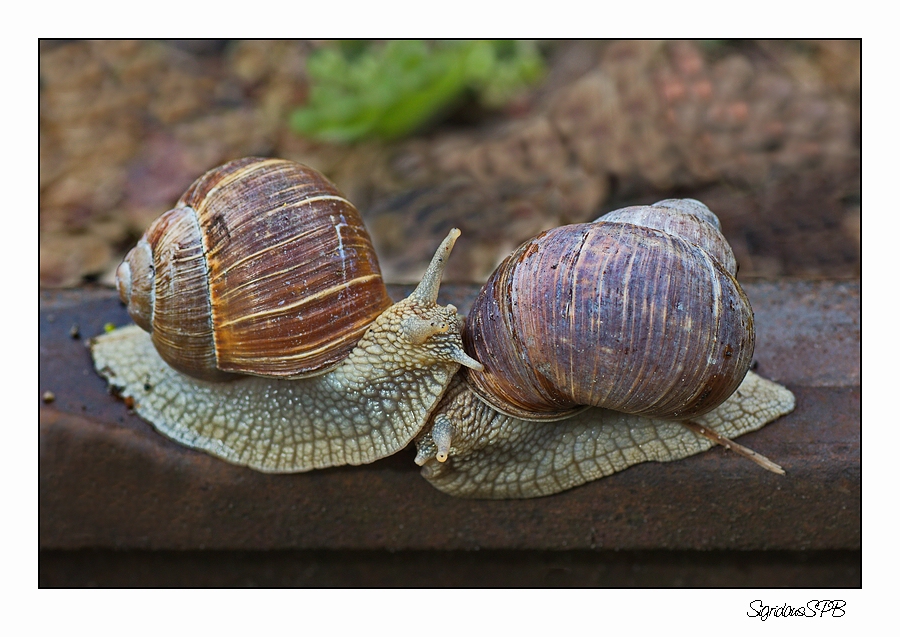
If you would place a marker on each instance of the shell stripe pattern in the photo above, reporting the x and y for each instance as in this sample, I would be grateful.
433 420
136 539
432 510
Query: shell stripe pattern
182 331
295 301
628 308
312 298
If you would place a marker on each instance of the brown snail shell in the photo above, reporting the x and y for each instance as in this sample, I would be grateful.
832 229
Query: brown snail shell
262 268
638 312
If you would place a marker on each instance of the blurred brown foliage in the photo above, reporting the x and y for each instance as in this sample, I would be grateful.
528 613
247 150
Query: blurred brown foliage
765 133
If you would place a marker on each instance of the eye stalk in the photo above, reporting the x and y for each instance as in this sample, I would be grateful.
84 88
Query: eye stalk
427 290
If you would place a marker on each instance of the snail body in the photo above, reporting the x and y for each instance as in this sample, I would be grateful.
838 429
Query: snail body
613 331
471 450
264 336
350 379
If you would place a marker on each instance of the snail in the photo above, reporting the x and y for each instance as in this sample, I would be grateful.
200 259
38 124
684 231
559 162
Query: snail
264 333
290 356
603 344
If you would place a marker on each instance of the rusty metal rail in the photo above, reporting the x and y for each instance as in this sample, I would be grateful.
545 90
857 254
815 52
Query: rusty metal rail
109 481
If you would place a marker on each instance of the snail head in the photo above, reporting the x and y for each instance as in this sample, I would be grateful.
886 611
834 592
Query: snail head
423 329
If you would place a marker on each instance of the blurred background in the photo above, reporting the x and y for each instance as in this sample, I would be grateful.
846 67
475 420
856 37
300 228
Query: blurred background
500 138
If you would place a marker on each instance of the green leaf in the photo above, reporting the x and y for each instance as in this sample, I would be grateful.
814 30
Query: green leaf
388 90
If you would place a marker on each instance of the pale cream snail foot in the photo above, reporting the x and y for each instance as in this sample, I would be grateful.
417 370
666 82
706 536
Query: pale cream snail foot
271 425
603 344
513 458
261 288
270 340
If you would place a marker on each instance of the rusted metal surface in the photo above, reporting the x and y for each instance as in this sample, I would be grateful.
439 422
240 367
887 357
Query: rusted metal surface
108 480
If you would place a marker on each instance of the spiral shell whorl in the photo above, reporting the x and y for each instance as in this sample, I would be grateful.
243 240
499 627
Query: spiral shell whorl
685 218
262 268
612 315
134 281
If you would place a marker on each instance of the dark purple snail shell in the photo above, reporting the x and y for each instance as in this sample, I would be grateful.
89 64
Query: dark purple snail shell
616 315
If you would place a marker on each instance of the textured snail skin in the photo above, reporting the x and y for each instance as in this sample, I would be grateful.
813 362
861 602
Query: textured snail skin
637 312
369 407
401 381
495 456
